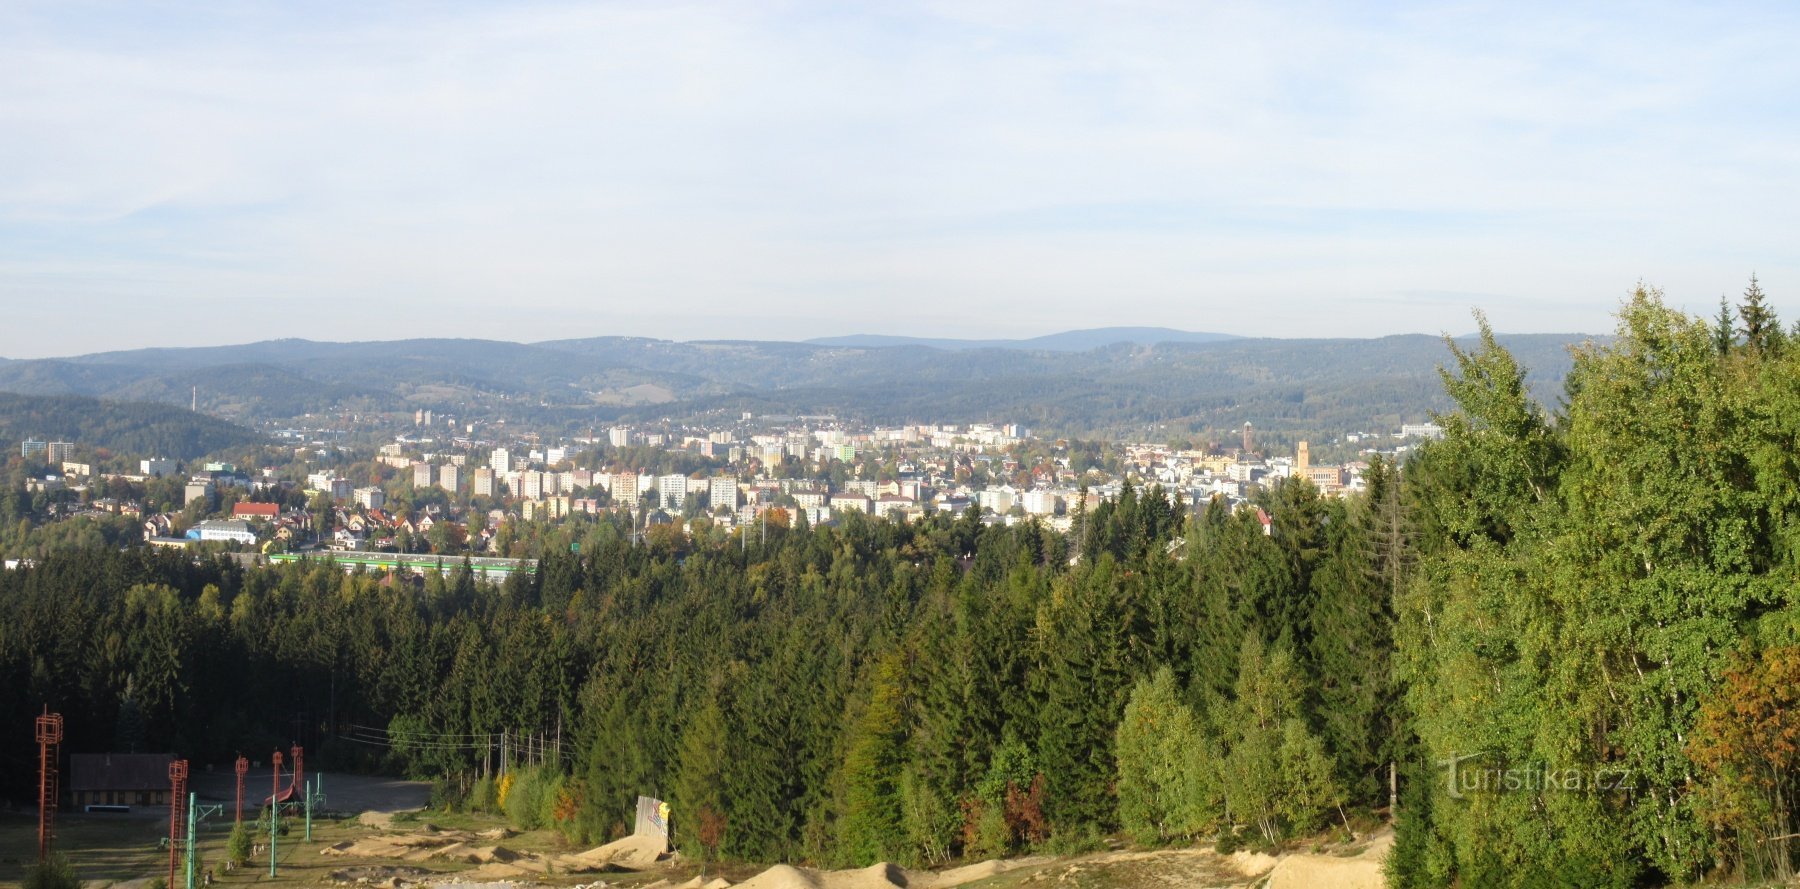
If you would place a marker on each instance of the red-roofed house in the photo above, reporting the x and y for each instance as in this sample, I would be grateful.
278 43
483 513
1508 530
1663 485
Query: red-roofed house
267 512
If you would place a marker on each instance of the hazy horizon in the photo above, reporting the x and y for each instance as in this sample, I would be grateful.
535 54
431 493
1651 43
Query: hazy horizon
189 175
809 341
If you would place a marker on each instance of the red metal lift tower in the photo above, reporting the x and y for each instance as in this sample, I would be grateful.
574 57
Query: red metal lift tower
243 768
49 735
178 774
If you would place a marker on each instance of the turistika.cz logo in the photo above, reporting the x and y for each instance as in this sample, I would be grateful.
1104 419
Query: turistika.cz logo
1461 778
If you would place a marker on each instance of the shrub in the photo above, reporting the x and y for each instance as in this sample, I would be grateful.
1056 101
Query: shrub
446 795
56 873
238 847
481 797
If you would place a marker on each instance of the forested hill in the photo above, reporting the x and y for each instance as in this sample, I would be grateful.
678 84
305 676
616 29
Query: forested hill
118 426
1056 384
1594 619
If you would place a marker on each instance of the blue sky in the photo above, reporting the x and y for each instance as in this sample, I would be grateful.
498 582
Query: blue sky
184 174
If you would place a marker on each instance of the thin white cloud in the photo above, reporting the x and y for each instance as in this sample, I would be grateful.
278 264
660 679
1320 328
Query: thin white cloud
523 171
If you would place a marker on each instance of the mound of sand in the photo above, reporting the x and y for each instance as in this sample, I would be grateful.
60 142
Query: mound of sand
718 883
1251 864
376 819
634 851
1362 871
969 873
782 876
876 876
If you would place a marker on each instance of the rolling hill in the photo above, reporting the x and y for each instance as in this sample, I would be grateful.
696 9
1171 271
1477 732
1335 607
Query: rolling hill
118 426
1067 341
1210 384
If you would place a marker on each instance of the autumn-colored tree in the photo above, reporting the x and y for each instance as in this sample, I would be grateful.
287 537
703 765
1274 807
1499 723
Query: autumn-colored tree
1747 740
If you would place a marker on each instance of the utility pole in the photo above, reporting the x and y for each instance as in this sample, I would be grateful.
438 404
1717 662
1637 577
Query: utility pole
274 810
190 840
195 812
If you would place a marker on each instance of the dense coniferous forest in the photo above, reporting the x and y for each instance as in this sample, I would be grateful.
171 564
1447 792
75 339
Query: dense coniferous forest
1590 611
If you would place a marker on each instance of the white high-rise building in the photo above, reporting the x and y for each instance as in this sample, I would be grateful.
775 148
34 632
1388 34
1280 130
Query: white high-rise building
722 491
624 488
501 461
619 436
1040 502
672 490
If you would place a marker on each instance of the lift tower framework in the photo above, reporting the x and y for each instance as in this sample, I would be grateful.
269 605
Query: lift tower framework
49 737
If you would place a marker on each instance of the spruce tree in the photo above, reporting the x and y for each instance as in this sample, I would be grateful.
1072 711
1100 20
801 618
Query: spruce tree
1758 325
869 828
699 810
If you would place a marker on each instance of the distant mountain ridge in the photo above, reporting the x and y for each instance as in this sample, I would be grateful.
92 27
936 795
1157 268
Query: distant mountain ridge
1121 386
1066 341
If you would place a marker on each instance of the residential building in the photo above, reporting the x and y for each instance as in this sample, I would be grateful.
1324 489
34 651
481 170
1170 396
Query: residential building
619 436
422 475
157 466
119 779
672 490
722 491
57 451
625 488
338 488
483 482
261 512
996 500
31 447
371 498
848 502
220 529
501 461
449 477
197 489
1040 502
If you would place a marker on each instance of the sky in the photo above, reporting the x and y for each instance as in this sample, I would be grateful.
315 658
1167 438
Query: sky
191 174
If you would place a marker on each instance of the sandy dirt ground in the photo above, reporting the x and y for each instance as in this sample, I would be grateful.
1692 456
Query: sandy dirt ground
380 849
